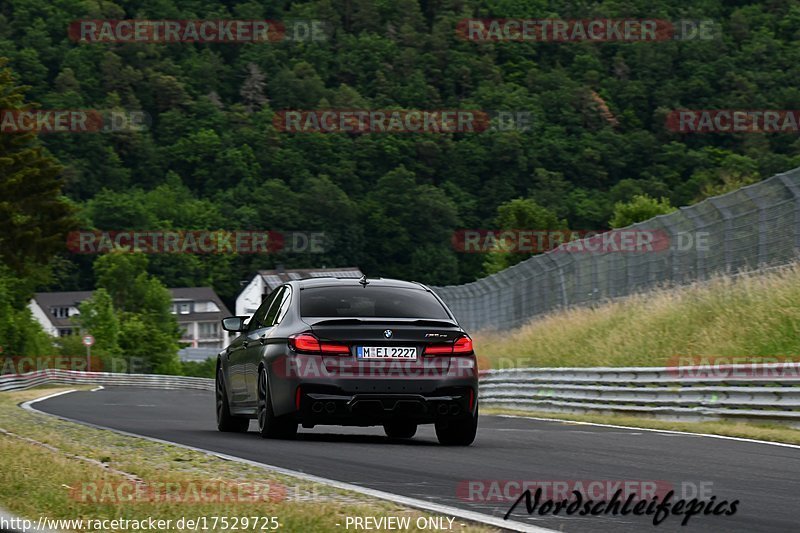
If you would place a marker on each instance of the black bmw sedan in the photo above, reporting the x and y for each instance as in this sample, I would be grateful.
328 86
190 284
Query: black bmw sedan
349 352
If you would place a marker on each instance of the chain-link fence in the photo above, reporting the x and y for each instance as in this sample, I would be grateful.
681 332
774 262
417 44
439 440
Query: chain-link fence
754 227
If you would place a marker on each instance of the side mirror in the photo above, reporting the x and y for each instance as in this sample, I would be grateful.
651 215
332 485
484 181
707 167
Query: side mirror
234 323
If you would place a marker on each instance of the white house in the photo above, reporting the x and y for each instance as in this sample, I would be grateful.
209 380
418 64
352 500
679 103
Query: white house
265 281
53 310
198 311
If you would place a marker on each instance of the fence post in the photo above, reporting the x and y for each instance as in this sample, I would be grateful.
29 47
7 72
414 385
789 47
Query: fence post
726 239
795 190
673 233
562 284
762 224
595 277
697 222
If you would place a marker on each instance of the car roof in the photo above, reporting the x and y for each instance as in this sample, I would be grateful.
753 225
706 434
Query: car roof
352 282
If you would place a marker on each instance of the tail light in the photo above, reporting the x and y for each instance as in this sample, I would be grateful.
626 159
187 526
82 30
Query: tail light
439 349
304 342
308 343
461 346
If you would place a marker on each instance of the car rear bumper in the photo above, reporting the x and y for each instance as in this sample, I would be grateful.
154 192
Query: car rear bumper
366 409
341 398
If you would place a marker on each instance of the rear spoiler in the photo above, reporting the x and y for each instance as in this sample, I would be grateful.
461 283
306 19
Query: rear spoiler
431 323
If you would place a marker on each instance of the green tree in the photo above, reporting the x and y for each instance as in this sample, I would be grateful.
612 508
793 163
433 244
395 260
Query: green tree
200 369
403 217
148 331
599 130
20 333
98 318
34 220
523 214
146 348
34 216
640 208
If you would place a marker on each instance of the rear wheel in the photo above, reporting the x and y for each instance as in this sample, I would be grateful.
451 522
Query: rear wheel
225 420
457 432
269 425
400 429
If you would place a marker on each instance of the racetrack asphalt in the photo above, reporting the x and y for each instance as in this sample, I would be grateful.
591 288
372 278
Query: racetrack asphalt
764 478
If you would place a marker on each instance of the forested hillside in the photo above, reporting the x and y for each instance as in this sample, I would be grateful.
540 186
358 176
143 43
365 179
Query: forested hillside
389 203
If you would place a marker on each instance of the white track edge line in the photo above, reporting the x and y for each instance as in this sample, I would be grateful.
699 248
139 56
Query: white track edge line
670 431
436 508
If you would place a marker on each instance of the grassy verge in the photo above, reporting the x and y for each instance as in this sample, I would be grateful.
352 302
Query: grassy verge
47 466
767 432
754 316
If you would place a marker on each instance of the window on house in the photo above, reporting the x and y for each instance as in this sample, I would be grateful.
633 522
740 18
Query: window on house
208 330
185 308
60 312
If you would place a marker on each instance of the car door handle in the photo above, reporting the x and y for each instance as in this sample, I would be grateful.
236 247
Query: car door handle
245 343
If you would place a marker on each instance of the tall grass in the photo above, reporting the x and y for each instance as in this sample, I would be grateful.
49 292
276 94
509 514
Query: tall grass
754 315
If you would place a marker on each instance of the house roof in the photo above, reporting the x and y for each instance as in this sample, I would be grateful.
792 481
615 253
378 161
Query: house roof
48 300
200 294
274 278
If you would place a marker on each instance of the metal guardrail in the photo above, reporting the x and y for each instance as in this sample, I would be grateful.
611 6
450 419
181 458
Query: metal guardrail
767 392
73 377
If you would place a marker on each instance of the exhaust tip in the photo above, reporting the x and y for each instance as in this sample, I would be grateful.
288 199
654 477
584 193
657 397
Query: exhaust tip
442 409
330 407
316 407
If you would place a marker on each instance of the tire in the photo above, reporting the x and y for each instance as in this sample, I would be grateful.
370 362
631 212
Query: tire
457 432
269 425
225 420
400 429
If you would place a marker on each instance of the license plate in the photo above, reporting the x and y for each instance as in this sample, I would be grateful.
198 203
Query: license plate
386 352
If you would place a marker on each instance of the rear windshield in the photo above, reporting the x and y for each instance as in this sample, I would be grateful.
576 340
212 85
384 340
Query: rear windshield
367 302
